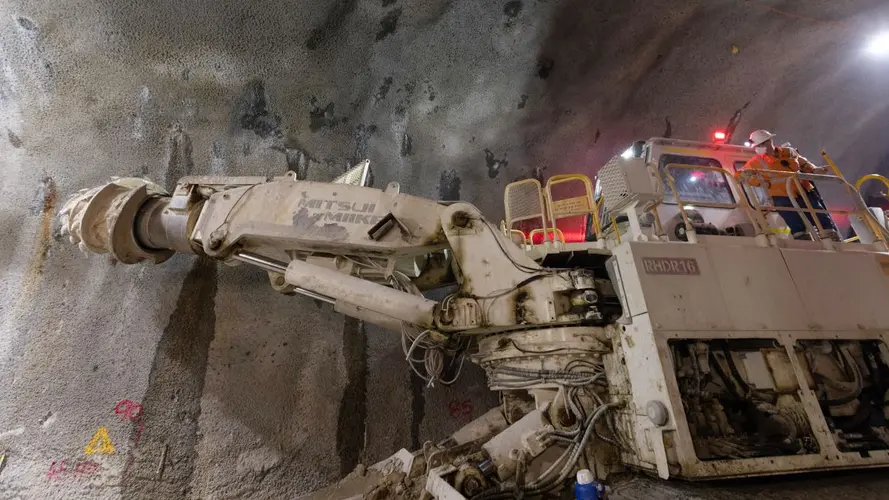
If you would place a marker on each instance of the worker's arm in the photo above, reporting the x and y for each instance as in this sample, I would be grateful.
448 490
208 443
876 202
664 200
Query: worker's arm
808 167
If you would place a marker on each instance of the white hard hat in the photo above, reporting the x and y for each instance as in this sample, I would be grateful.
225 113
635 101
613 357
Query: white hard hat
760 136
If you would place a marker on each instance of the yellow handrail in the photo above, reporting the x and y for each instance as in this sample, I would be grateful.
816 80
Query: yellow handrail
591 208
871 177
557 233
832 165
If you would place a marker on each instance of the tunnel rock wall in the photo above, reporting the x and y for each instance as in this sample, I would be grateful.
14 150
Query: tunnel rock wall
195 380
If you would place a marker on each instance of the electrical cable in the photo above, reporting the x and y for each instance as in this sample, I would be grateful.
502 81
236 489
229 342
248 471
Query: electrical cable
547 481
521 267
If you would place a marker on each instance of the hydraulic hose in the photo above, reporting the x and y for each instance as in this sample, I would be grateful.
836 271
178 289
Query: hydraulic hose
547 482
856 379
729 383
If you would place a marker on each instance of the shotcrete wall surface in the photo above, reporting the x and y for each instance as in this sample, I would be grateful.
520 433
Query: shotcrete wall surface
195 380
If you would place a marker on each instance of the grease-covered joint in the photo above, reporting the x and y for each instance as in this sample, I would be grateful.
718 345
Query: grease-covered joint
160 225
461 219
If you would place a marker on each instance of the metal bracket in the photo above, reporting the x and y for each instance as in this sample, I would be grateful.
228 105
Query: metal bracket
385 225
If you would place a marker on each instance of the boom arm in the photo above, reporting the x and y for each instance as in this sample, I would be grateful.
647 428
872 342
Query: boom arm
370 253
365 250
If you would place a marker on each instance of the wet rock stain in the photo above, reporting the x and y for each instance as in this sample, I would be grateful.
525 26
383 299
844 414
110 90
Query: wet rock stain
352 415
384 89
335 18
177 375
26 23
494 165
322 117
512 9
668 130
430 91
253 111
388 24
13 139
597 136
299 162
179 156
545 67
407 145
449 186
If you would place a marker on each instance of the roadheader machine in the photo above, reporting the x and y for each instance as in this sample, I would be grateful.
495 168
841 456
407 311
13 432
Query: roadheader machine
660 320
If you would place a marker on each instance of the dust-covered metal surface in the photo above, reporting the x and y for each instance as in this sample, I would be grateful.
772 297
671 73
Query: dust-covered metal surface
146 382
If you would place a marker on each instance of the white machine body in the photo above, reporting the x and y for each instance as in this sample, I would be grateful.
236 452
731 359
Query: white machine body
679 332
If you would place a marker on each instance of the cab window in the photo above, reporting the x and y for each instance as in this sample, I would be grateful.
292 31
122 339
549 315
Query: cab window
696 186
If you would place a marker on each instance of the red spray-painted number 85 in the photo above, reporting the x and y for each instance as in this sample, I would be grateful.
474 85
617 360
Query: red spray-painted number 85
459 408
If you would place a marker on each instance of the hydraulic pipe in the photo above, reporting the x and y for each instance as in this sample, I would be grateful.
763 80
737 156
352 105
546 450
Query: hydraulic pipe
278 267
339 306
363 294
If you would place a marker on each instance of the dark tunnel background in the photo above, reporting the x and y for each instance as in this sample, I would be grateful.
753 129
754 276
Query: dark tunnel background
257 395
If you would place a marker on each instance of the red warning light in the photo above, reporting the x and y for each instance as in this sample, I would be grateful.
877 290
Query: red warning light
719 135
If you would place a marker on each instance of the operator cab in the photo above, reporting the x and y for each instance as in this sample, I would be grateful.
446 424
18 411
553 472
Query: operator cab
707 194
567 213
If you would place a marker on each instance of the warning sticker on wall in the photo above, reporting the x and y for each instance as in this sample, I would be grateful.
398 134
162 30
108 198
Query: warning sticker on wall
667 265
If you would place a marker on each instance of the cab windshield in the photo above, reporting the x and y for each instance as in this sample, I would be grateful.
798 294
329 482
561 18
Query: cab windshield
696 186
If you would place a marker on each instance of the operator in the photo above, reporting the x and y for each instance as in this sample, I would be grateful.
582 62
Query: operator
786 159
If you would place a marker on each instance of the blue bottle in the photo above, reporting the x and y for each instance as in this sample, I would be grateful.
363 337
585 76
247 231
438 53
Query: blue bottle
587 488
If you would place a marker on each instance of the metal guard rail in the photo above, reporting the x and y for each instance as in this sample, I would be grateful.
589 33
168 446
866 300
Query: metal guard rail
793 180
592 208
871 177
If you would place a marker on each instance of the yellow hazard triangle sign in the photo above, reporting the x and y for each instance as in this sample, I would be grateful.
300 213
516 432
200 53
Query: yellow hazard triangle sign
100 443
